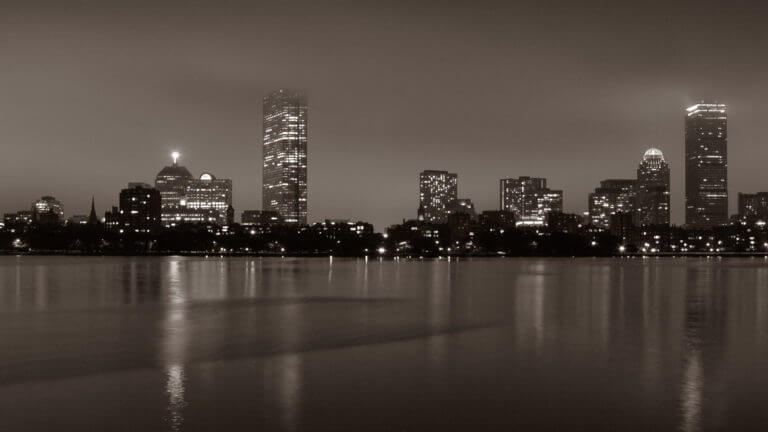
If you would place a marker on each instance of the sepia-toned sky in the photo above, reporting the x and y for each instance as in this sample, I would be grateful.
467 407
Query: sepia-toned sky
95 94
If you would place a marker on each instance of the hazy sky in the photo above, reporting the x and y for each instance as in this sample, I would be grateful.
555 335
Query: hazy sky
94 94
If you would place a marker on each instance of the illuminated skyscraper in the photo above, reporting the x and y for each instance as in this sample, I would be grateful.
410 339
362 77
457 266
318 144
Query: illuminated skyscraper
171 182
529 199
706 165
652 205
437 190
284 187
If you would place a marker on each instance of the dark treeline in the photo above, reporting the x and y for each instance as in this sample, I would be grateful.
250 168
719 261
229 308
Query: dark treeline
412 238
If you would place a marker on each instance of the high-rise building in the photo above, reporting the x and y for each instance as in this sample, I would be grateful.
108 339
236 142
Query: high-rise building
171 182
529 199
140 209
284 186
437 190
652 202
706 165
209 198
753 207
48 211
614 196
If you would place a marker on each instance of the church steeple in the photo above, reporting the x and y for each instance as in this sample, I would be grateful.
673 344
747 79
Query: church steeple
92 218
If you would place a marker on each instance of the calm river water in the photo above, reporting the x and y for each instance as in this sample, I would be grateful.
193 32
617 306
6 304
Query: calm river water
173 343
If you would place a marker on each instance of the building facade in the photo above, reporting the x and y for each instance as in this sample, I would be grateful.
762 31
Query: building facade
652 205
529 199
284 186
171 182
437 190
140 209
706 165
208 199
614 196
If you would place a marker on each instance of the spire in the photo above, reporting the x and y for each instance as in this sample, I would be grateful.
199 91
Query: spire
92 218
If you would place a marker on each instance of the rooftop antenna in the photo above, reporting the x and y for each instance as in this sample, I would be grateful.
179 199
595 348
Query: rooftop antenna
175 155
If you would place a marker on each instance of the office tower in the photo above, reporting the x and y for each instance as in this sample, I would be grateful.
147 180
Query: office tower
171 182
437 190
140 209
284 186
208 199
706 165
614 196
652 203
529 199
753 208
48 211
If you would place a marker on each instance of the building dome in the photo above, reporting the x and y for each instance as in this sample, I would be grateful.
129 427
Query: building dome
653 153
207 176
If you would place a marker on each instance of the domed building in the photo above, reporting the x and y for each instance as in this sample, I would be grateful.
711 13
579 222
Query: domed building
652 206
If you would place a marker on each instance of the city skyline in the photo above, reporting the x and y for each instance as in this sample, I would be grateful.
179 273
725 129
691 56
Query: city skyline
576 112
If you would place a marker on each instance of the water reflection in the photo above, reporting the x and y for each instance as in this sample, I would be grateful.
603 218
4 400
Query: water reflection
656 344
174 344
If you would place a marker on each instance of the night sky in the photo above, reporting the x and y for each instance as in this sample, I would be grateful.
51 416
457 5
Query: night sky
94 94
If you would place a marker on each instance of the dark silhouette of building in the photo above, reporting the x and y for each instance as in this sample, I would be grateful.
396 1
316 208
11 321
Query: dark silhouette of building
112 219
706 165
19 218
529 199
652 201
463 206
284 186
48 211
92 218
612 197
260 218
437 190
495 220
140 209
753 208
564 222
171 182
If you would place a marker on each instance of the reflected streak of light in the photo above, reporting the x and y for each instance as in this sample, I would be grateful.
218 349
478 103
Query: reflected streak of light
18 286
693 383
174 347
174 387
289 391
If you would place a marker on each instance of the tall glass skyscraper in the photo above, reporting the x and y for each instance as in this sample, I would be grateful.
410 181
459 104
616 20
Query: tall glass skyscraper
706 165
652 204
284 186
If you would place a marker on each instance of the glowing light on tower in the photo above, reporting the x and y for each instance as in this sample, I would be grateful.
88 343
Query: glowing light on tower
175 155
